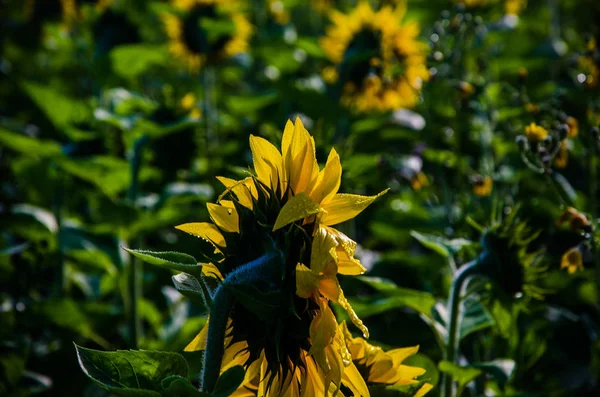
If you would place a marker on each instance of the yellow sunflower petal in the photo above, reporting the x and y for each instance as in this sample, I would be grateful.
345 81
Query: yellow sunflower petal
204 230
268 163
354 381
330 288
298 207
347 264
425 388
322 327
342 207
211 270
199 342
300 158
226 218
328 181
352 314
307 281
323 250
244 190
401 354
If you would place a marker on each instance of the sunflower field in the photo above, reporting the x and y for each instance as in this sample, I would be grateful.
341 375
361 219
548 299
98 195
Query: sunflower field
385 198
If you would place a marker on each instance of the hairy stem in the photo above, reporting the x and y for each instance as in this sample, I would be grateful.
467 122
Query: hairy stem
452 326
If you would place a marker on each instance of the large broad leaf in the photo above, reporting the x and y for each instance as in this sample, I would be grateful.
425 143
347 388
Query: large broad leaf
130 61
169 260
130 372
229 381
395 391
444 247
29 146
500 369
475 318
394 298
462 375
59 108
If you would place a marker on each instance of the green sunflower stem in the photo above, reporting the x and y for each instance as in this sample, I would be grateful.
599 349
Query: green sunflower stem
215 341
454 317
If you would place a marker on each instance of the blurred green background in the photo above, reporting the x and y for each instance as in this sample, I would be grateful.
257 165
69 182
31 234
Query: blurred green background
109 138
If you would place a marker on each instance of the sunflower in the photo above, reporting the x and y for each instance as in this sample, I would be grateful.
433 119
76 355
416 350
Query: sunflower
483 186
513 7
274 274
201 31
380 62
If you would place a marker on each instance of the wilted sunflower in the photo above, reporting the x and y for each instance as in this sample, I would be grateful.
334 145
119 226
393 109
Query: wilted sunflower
378 59
200 31
275 274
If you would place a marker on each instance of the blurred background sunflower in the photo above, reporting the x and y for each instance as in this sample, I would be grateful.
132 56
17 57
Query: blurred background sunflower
377 59
202 31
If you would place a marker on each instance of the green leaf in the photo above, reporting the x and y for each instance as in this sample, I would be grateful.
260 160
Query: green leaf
132 60
176 386
131 372
394 298
29 146
229 381
395 391
59 108
440 245
189 286
475 318
500 369
251 103
169 260
311 46
462 375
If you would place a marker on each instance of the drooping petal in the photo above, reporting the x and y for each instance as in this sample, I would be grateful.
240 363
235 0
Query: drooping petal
354 381
226 218
322 329
328 181
268 163
342 207
347 264
298 207
352 314
329 288
204 230
323 250
307 281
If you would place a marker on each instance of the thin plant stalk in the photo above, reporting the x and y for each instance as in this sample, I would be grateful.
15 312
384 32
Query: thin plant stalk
454 319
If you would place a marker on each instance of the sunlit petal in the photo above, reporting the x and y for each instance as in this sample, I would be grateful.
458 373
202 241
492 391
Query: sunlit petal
342 207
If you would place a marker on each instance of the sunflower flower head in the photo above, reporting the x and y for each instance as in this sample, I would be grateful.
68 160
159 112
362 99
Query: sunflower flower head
274 272
202 31
509 261
380 62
